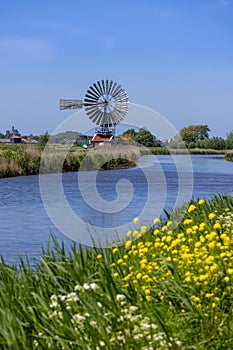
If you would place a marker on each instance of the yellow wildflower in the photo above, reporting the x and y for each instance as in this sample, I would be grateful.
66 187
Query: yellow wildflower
156 221
99 256
128 244
136 220
191 208
212 216
217 226
201 201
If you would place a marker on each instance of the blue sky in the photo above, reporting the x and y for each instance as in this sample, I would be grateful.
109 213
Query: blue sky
173 56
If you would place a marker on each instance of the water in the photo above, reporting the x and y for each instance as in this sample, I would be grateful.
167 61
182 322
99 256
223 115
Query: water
25 225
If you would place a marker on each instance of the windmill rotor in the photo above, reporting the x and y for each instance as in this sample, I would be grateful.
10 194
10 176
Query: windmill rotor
106 104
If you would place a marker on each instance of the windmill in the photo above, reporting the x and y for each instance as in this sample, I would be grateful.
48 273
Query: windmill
106 104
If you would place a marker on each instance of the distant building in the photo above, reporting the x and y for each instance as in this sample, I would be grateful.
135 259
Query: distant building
12 132
15 139
99 140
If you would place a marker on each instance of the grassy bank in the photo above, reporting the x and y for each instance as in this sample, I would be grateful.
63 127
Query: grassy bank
167 150
166 288
16 160
229 157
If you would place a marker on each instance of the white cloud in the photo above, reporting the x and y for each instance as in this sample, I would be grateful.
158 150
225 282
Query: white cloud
23 48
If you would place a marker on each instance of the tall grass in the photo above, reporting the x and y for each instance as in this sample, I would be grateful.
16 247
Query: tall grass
18 160
165 288
229 156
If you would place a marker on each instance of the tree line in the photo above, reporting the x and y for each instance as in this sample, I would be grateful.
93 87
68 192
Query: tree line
197 136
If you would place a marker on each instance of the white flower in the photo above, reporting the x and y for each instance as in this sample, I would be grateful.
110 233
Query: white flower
102 343
145 325
93 323
120 297
86 286
94 286
35 343
78 287
53 304
99 304
138 336
53 297
72 297
133 308
78 318
121 338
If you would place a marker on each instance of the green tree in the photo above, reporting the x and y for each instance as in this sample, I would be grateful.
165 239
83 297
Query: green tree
43 139
229 140
194 133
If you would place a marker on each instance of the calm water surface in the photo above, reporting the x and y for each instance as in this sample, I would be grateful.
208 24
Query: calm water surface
25 225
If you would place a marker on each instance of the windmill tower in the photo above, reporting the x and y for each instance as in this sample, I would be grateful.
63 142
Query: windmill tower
106 103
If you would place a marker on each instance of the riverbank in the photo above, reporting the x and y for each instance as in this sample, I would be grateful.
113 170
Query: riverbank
229 157
165 288
22 160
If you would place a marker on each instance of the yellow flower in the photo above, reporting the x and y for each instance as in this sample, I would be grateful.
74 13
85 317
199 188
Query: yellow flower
128 244
156 232
217 226
226 279
99 256
136 220
212 216
144 229
188 221
116 274
120 261
230 271
191 208
115 250
156 221
201 201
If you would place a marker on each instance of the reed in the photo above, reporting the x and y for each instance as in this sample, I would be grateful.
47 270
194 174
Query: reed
165 288
18 160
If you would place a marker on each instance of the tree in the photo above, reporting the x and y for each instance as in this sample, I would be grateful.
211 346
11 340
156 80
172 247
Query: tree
194 133
144 137
229 140
43 139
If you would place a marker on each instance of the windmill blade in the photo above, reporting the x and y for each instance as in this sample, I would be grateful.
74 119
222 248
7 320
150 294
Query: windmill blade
70 104
98 90
114 86
93 91
89 94
110 86
118 91
94 114
100 87
107 87
103 85
99 121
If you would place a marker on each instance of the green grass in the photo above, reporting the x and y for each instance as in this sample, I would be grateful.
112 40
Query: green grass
20 160
141 295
